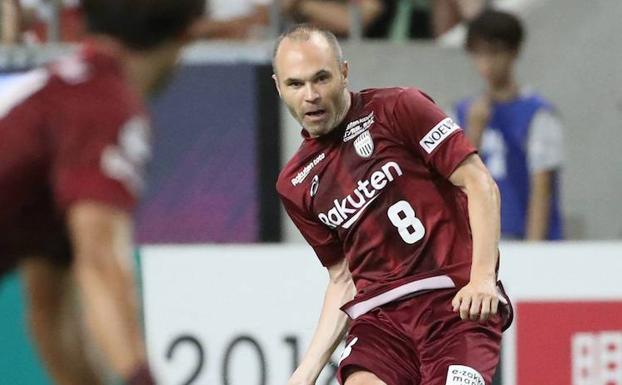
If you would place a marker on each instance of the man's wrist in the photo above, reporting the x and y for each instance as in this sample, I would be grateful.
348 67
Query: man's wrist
483 273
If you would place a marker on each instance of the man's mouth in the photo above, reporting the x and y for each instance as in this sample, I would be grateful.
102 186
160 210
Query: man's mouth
315 115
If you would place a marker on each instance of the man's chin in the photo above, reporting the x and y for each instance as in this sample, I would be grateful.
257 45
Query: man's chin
318 130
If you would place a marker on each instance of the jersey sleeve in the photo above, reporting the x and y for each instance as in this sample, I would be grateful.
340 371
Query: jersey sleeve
100 157
324 242
422 126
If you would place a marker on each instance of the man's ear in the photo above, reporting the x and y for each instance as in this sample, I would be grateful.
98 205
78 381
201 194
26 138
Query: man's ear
276 83
345 71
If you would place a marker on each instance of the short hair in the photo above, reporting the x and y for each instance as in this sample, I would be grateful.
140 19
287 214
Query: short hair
496 27
303 32
141 24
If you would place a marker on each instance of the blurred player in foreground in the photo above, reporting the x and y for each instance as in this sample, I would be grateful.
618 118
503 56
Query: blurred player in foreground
74 137
403 214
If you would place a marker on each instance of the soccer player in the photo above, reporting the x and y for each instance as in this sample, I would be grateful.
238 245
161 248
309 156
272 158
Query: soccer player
402 212
517 131
73 142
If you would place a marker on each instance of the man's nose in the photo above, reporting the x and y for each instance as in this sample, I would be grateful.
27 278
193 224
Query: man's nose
311 94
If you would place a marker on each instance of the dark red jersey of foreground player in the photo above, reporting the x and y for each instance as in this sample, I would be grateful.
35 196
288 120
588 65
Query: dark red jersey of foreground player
375 191
72 131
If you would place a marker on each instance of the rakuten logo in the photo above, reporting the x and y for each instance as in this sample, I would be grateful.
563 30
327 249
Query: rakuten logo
347 210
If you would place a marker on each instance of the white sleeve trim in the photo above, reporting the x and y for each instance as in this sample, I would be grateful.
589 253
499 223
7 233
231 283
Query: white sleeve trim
545 142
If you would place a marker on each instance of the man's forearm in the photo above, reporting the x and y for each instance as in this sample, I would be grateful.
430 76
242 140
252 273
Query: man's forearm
335 16
103 269
329 331
539 206
11 21
484 214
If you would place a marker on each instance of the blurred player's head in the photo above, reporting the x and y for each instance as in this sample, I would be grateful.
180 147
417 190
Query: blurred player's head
312 77
494 39
155 30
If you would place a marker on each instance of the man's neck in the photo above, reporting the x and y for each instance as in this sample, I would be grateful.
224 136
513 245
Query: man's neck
346 107
504 92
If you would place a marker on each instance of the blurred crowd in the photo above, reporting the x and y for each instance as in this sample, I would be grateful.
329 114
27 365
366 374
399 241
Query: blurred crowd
32 21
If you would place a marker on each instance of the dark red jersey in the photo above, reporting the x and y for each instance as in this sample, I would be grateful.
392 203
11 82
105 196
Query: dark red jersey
375 191
74 130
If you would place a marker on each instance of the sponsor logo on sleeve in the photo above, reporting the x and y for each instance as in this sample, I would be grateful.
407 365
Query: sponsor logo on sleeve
302 175
125 161
356 127
463 375
438 134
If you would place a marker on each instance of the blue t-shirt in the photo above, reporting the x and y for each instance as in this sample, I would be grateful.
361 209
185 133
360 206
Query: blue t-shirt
522 137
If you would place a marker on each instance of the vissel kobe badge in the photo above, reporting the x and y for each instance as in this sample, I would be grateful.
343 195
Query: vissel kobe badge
364 145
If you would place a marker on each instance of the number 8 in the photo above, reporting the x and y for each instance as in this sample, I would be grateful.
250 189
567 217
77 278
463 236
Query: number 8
408 225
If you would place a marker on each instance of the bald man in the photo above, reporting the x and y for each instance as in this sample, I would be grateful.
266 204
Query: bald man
405 217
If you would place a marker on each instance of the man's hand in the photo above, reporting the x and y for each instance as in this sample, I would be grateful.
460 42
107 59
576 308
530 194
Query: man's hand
478 117
477 300
479 113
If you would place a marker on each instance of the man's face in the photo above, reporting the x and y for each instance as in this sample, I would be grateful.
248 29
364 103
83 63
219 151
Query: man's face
312 83
494 62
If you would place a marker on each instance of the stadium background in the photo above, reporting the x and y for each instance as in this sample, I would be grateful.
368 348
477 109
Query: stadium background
219 145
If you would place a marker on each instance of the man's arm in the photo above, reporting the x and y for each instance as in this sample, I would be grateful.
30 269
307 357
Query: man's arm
11 21
539 206
477 119
102 242
335 16
330 328
544 159
478 299
237 28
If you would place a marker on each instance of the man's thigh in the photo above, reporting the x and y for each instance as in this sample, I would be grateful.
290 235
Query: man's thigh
459 352
377 353
362 377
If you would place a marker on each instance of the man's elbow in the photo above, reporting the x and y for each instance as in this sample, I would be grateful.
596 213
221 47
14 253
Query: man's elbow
482 183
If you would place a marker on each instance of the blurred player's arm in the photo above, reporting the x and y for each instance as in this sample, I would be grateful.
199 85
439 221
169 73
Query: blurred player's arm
331 326
103 268
10 22
478 299
544 157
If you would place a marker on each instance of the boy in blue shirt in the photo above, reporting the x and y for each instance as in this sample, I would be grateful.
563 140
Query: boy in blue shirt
517 131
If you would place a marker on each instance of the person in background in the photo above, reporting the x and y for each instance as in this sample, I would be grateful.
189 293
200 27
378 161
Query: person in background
235 19
446 14
517 131
335 15
33 17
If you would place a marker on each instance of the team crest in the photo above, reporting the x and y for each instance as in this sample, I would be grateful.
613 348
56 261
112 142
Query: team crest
364 145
